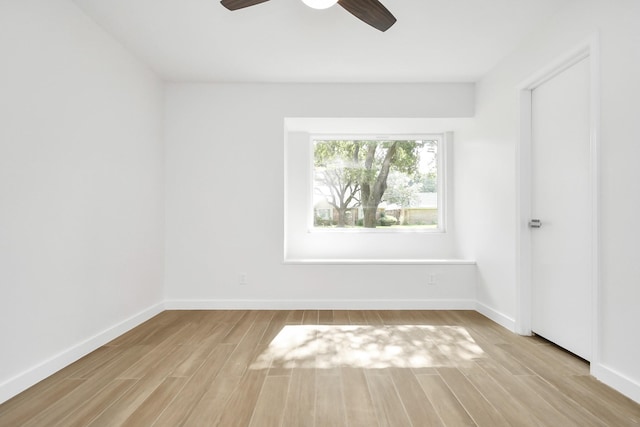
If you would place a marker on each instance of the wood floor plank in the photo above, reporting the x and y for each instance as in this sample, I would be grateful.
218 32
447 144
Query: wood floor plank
146 362
429 317
271 402
152 406
561 404
135 335
573 365
295 317
356 317
534 360
360 411
435 355
246 351
239 408
63 406
135 396
372 317
208 334
389 408
480 410
88 389
591 401
388 317
265 316
510 363
194 358
120 410
451 412
538 407
156 363
414 317
240 328
310 317
509 407
340 317
300 408
425 370
181 407
232 316
608 396
420 410
275 326
34 393
118 365
210 407
280 316
396 317
88 365
170 335
489 334
84 414
325 317
274 329
38 404
330 409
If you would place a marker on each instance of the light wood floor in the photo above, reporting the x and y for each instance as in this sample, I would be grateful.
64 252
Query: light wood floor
322 368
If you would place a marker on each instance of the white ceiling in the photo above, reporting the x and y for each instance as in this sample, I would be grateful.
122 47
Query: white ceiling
285 41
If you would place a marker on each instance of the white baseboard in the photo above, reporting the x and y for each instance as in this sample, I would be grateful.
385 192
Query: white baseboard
500 318
32 376
238 304
617 381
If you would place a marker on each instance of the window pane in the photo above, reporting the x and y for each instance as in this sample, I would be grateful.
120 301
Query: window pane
389 184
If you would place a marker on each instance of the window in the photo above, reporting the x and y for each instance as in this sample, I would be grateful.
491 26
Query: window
390 183
310 224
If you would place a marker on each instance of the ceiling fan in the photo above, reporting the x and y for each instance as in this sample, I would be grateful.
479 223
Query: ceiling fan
371 12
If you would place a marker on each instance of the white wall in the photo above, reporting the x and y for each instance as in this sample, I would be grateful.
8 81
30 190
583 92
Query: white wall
81 193
225 197
485 158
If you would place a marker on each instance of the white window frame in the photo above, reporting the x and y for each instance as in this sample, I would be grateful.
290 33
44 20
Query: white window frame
441 182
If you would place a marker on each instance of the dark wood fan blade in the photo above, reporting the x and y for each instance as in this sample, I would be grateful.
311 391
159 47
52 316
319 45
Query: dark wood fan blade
370 11
239 4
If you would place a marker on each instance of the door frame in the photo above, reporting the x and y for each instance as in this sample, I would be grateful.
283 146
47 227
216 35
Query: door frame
524 297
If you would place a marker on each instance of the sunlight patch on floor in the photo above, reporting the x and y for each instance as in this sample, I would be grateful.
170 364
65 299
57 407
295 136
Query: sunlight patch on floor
370 347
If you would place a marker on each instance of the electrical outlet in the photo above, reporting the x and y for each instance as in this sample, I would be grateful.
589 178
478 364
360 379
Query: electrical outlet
432 279
243 279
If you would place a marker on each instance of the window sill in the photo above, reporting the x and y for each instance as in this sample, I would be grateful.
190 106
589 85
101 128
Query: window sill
380 261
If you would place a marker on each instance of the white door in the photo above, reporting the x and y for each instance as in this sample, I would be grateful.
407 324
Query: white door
561 246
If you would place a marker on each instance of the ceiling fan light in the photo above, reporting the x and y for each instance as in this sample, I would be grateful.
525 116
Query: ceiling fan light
320 4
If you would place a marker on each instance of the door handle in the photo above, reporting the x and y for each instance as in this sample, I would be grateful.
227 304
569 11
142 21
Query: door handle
535 223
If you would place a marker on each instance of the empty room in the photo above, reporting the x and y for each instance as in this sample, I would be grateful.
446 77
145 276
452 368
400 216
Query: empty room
319 213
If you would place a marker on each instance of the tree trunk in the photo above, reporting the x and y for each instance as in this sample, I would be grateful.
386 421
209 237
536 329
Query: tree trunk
341 217
372 192
370 216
